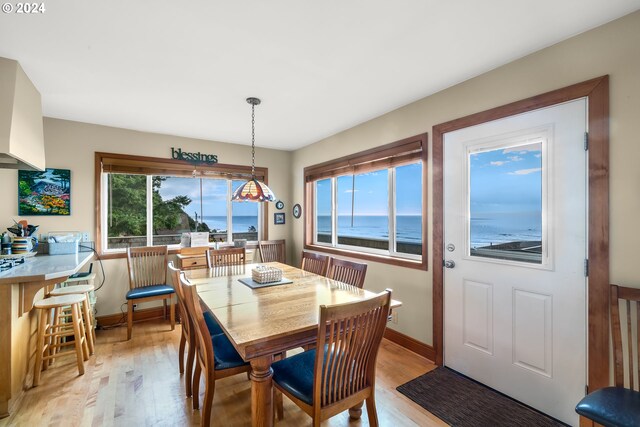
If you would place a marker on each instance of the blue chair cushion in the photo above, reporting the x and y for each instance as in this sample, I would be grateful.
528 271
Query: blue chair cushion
295 374
212 324
224 354
150 291
612 406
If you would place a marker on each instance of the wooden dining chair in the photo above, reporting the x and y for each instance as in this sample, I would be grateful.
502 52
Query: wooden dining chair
272 251
229 256
349 272
619 405
315 263
325 383
216 357
148 281
187 338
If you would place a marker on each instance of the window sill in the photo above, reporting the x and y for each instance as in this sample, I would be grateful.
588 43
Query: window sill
172 251
400 262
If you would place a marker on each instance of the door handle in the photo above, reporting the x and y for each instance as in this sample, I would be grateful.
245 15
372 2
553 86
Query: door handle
449 264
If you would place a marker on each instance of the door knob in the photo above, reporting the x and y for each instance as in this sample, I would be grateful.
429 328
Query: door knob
449 264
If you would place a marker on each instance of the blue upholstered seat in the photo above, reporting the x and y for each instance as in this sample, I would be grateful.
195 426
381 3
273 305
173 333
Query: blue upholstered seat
295 374
224 354
612 407
212 324
150 291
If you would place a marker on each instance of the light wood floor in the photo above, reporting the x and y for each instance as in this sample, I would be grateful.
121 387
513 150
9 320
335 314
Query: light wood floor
137 383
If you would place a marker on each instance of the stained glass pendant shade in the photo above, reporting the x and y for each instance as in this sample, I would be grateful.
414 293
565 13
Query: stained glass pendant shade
253 190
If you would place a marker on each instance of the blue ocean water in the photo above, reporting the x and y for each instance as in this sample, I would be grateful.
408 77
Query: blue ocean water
408 227
241 223
503 228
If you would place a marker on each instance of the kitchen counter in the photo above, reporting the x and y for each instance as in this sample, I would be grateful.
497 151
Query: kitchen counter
45 267
18 288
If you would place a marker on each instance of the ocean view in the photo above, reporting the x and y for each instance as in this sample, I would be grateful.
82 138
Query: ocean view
504 228
376 227
241 223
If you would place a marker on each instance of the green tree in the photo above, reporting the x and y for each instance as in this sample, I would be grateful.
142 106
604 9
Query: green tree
128 205
166 213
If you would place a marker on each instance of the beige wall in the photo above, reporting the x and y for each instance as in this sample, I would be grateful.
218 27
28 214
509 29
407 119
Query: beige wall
71 145
612 49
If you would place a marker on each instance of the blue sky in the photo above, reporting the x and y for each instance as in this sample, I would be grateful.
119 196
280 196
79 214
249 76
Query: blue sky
506 181
214 196
371 193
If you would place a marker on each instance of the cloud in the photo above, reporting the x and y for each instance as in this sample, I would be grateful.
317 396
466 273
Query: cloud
525 171
538 155
516 158
498 163
351 191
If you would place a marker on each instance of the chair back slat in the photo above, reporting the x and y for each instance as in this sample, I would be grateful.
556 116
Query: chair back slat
315 263
147 266
204 347
223 257
349 272
622 323
272 251
175 279
351 333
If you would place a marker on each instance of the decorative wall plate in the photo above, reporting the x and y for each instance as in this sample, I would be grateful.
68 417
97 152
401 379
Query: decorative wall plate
297 211
279 205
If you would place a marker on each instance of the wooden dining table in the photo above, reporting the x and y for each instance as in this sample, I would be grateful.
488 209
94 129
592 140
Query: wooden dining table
267 321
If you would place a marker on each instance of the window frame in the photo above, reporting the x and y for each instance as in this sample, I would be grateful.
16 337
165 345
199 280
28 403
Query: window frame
388 156
143 165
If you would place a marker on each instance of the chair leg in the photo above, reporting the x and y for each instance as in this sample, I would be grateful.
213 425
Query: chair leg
371 411
279 405
55 340
183 342
83 335
172 313
77 337
355 412
164 309
188 378
207 403
129 318
87 324
196 386
42 326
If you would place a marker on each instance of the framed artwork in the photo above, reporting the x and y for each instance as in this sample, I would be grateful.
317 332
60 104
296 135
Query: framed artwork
280 205
297 211
44 193
278 218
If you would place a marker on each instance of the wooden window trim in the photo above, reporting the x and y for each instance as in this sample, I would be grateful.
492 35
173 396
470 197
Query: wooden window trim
596 91
405 151
144 165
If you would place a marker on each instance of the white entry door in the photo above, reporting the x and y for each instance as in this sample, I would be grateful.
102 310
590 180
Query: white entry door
515 248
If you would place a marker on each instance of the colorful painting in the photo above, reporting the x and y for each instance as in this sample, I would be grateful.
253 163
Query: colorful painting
44 193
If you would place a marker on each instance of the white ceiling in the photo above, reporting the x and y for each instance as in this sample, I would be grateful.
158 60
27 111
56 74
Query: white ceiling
185 67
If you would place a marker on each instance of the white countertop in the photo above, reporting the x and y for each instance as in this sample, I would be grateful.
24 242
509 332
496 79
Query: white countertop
45 267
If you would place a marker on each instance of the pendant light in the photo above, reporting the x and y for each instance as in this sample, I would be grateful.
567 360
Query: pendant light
253 190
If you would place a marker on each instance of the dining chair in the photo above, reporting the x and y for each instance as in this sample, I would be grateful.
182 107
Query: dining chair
315 263
229 256
620 405
325 383
148 281
187 338
216 358
349 272
272 250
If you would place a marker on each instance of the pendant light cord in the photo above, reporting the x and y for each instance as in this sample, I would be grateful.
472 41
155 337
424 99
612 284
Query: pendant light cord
253 141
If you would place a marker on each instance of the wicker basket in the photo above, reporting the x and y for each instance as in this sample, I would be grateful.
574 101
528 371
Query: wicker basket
264 274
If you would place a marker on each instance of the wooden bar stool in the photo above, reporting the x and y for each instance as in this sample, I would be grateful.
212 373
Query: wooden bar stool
50 333
86 311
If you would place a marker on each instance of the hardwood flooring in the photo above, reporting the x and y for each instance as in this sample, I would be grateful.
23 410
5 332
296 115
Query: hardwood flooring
137 383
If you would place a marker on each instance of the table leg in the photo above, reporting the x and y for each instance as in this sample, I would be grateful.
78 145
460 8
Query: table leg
261 392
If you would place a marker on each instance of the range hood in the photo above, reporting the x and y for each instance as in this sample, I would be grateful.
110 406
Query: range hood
21 135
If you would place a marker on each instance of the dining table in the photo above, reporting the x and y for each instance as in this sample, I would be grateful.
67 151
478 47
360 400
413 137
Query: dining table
268 320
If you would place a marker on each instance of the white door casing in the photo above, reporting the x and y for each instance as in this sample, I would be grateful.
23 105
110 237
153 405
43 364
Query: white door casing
515 325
